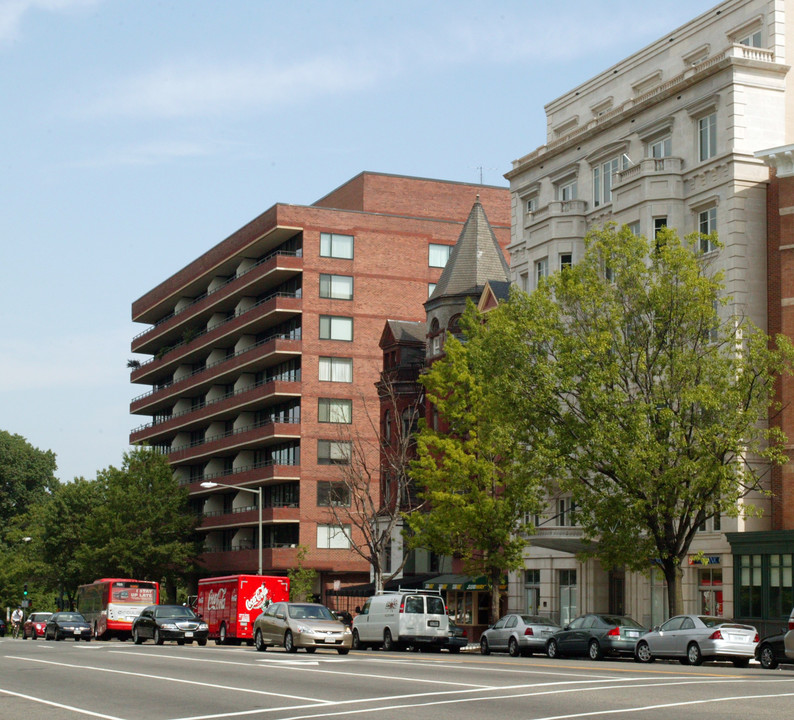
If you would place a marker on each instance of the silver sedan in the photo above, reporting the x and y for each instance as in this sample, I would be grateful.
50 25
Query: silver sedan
301 625
695 638
518 635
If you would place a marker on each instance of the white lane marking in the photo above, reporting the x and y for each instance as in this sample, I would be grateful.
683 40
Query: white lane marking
60 705
231 688
302 667
662 682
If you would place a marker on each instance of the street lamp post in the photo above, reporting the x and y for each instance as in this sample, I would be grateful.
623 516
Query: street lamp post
258 493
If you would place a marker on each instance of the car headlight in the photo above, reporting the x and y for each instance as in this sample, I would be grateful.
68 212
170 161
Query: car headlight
169 626
203 626
302 629
347 630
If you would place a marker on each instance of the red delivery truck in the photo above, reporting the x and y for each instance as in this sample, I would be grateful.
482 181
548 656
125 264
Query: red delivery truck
230 604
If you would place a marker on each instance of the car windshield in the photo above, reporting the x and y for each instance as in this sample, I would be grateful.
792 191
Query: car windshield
537 620
40 617
620 621
310 612
176 611
70 617
711 621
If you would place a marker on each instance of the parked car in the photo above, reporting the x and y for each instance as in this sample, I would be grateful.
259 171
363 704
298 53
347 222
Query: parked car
2 627
595 635
518 635
457 637
695 638
395 620
788 639
771 651
301 625
61 625
35 624
169 622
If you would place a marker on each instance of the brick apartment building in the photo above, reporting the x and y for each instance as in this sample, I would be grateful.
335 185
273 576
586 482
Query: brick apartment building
264 357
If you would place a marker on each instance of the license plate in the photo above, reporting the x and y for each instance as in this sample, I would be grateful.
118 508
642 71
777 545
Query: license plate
321 640
77 631
189 633
432 623
632 634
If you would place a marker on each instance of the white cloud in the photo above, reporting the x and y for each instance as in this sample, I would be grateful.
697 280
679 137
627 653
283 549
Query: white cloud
12 12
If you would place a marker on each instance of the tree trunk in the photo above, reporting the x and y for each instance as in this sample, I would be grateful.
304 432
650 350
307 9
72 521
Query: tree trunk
675 591
496 594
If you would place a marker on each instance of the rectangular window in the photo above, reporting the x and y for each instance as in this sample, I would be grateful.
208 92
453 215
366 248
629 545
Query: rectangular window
707 136
661 148
532 204
565 508
330 537
333 410
781 586
332 452
634 228
566 260
753 40
567 191
336 369
332 494
749 586
525 282
707 224
335 327
430 288
336 246
603 174
541 270
437 255
658 225
336 287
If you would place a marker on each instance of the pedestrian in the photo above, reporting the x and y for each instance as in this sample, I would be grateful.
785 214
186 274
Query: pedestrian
16 618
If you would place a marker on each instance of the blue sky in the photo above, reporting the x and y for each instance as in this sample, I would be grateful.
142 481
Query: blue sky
137 134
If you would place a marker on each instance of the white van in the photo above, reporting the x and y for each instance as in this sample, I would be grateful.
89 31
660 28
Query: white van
398 619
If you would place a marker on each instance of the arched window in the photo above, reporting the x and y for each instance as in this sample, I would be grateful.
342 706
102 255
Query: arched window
387 425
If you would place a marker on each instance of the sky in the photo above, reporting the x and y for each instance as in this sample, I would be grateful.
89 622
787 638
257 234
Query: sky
137 134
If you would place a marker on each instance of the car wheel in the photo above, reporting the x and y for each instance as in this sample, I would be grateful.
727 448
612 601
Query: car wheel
180 642
684 660
388 642
289 643
34 635
221 639
259 643
311 650
158 638
343 651
202 642
136 637
512 648
58 636
693 654
454 649
552 650
357 644
77 638
643 653
24 634
594 650
767 658
88 639
741 662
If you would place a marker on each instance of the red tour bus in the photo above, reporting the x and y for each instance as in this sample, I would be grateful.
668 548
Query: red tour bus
111 604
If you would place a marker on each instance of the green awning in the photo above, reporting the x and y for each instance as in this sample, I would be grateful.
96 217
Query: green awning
459 582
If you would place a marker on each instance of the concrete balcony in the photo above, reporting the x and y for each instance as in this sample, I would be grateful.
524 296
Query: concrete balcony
250 398
258 356
651 179
271 271
249 516
246 476
557 220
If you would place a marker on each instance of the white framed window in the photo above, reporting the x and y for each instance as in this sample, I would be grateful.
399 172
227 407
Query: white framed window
567 190
707 136
602 178
333 452
661 148
336 287
334 410
541 270
634 228
336 369
566 260
658 224
438 255
333 494
336 246
707 224
565 509
330 537
336 327
753 39
531 204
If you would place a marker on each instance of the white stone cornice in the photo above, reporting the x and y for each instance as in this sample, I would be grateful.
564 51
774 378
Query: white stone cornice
779 158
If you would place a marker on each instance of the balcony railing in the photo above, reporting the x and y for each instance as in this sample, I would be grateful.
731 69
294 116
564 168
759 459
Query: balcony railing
560 207
238 313
270 338
237 431
204 295
236 471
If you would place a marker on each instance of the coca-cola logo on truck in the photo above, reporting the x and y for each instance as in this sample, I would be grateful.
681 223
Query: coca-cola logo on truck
216 599
258 600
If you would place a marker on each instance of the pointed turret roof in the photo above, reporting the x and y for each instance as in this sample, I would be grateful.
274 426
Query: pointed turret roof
475 259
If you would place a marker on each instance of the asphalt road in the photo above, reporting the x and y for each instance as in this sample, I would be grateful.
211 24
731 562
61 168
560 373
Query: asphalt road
122 681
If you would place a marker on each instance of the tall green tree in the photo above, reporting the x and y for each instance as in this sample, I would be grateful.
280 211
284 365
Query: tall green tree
141 526
26 475
480 485
635 379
